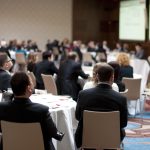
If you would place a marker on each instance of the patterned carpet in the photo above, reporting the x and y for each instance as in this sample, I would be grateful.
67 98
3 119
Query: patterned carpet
138 133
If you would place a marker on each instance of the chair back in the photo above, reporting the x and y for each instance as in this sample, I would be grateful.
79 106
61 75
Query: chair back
133 86
22 136
87 58
39 56
101 57
33 78
20 58
49 84
101 130
124 93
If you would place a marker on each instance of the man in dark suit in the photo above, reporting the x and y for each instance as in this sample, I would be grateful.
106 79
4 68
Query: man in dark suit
101 98
5 65
22 110
67 79
44 67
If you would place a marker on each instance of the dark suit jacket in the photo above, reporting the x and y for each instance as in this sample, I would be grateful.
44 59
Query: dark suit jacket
101 98
24 111
126 71
45 67
5 78
67 78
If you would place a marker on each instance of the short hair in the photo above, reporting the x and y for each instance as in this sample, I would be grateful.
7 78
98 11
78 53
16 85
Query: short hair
116 67
123 59
3 59
104 72
46 55
138 44
72 55
19 83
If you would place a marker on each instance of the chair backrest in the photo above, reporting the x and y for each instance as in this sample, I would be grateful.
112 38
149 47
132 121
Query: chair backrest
101 57
101 130
49 84
124 93
39 56
22 136
148 58
133 86
20 58
87 57
33 78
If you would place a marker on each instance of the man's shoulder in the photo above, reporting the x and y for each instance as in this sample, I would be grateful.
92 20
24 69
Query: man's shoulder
39 107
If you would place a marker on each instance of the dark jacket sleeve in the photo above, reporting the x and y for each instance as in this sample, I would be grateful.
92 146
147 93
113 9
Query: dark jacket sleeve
123 113
6 81
78 112
80 72
54 68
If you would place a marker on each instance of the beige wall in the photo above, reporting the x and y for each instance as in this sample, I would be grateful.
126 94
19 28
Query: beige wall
35 19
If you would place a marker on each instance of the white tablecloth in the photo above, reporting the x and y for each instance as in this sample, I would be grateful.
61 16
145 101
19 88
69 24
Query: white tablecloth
62 110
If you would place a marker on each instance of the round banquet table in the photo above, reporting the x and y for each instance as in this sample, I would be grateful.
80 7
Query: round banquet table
62 109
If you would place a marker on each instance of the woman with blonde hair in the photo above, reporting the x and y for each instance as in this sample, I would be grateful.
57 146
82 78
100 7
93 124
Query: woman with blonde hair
125 69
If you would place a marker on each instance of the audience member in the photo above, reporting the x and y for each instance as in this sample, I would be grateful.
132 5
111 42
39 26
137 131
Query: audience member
118 47
105 46
21 50
46 66
125 47
91 47
4 47
31 61
5 65
49 46
139 51
116 67
76 48
21 109
94 82
101 98
67 79
125 69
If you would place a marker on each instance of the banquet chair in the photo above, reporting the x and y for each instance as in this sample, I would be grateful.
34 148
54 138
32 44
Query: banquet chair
101 57
101 130
20 58
32 76
49 84
133 86
124 93
87 59
22 136
21 61
148 58
39 56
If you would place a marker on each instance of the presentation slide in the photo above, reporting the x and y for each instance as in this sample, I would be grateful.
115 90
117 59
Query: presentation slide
132 20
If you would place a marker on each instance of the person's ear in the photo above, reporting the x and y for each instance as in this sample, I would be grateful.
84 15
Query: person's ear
112 78
30 88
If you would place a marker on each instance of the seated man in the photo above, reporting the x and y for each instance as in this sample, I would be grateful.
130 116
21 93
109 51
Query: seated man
21 109
46 66
5 65
101 98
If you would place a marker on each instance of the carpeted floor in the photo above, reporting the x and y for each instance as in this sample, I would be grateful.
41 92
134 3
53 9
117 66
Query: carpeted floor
138 133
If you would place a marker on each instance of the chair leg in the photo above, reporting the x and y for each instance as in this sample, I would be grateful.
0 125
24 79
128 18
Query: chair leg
135 108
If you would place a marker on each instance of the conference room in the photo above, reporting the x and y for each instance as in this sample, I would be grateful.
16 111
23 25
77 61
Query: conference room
75 74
